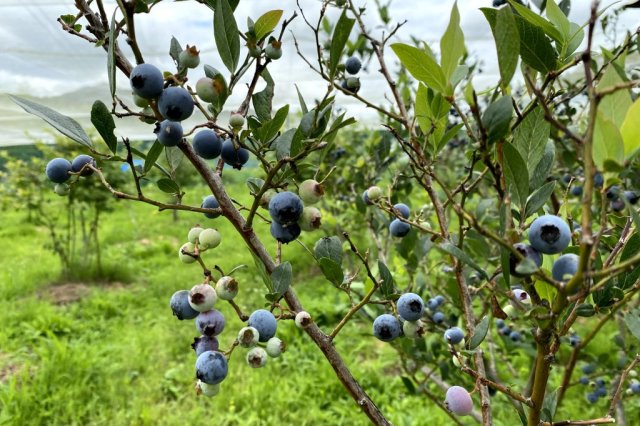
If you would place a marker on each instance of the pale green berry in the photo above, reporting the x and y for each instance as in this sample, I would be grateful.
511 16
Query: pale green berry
202 297
236 120
209 239
266 198
149 117
257 357
193 234
273 50
188 248
255 52
189 58
140 101
310 220
207 90
456 361
62 189
311 191
248 337
303 319
413 330
374 193
275 347
510 311
227 288
207 389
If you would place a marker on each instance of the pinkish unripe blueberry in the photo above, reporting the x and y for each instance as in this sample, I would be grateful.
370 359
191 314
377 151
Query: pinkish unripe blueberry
311 219
458 401
311 191
227 288
202 297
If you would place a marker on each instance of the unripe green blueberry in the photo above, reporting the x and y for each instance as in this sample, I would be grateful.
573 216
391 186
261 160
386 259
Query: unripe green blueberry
227 288
311 191
236 120
248 337
140 101
62 189
353 84
456 361
510 311
257 357
193 234
310 220
303 319
374 193
275 347
202 297
189 58
413 329
273 50
209 238
208 90
149 117
266 198
255 52
207 389
187 248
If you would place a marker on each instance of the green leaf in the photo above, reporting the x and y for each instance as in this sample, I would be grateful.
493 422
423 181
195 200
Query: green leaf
263 100
608 146
330 248
535 48
104 124
531 136
281 278
152 155
169 186
387 286
288 143
585 310
632 320
411 388
453 250
544 166
479 334
550 401
111 53
142 155
537 21
267 23
174 50
421 66
630 130
507 39
254 184
338 41
614 106
225 32
65 125
270 129
331 270
262 270
631 248
577 35
497 118
559 20
538 198
452 43
516 174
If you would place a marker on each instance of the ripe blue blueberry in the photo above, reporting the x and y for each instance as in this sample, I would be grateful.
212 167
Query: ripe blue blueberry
211 367
169 133
180 306
515 336
598 180
635 387
410 307
398 228
207 144
175 104
386 327
439 299
600 391
454 335
588 369
235 157
500 323
565 267
576 191
285 234
529 253
285 208
584 380
204 343
613 193
600 382
592 397
58 169
403 209
353 65
549 234
438 317
210 202
458 401
210 323
505 331
566 178
266 324
574 340
617 205
80 161
631 197
432 304
146 81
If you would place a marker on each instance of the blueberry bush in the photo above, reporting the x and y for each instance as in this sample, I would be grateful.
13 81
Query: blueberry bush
490 236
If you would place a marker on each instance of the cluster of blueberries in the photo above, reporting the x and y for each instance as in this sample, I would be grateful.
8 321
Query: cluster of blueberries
616 203
59 171
176 105
397 227
352 66
508 331
198 303
598 385
289 215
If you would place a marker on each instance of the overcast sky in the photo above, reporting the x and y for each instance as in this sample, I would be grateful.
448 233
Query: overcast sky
38 59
